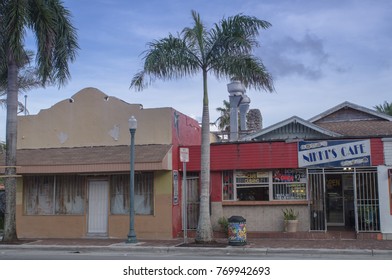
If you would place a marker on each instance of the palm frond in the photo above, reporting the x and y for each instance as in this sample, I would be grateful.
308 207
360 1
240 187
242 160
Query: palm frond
223 122
195 38
138 81
237 34
56 40
166 59
248 69
385 108
14 15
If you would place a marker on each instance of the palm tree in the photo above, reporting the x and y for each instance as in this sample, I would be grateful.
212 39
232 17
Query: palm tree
385 108
224 119
56 41
224 51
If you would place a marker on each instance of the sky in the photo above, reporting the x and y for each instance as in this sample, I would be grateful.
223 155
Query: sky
319 53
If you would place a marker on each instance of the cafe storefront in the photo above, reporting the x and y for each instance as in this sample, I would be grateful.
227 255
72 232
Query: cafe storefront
333 170
343 184
332 184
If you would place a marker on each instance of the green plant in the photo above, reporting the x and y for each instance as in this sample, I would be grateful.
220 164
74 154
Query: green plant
289 214
224 224
367 214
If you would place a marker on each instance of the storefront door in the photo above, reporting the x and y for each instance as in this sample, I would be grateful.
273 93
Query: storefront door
344 197
193 201
334 200
98 203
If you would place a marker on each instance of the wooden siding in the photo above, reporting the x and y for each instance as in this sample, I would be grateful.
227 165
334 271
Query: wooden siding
293 130
345 114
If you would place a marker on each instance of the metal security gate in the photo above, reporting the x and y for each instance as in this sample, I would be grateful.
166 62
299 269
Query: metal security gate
344 197
367 201
317 200
193 201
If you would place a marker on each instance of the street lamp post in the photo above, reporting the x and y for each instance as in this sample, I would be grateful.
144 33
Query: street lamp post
132 234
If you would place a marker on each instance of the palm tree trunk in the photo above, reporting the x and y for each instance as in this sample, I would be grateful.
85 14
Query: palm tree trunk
10 158
204 232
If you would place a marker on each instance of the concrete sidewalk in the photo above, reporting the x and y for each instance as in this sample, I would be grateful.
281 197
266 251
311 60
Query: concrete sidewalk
254 245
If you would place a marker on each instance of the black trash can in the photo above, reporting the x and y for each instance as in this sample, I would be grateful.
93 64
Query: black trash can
237 231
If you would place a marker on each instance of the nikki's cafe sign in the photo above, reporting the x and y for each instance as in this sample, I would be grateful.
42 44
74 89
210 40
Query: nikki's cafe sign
334 153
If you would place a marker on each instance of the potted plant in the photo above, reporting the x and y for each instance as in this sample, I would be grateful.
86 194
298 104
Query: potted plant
224 224
290 220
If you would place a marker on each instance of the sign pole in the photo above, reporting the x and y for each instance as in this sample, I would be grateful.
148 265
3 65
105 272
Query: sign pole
185 208
184 158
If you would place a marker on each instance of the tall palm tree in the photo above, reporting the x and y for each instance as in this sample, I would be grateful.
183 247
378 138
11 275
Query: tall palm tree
224 51
56 41
385 108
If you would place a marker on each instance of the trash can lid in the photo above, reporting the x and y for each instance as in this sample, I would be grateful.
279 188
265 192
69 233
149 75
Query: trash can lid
234 219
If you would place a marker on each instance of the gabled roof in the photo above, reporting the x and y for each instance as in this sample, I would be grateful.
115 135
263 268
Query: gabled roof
367 114
360 128
352 120
292 128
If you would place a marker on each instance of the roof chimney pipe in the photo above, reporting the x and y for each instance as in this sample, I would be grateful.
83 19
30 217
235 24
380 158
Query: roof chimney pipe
236 90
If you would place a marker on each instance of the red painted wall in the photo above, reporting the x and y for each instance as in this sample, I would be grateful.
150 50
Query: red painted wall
377 151
216 185
264 155
185 132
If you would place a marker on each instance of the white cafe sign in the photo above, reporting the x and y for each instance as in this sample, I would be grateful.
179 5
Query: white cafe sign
334 153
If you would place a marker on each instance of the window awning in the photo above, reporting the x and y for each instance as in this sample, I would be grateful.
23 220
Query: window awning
93 159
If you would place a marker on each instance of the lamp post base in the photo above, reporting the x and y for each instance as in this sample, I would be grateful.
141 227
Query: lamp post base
131 238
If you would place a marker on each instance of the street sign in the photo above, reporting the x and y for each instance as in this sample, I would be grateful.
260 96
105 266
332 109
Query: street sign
184 154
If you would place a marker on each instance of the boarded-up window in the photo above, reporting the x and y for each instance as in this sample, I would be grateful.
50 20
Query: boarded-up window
39 195
48 195
70 194
119 194
143 194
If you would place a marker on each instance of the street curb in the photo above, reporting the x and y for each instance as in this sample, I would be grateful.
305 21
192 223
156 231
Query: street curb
200 250
382 252
321 251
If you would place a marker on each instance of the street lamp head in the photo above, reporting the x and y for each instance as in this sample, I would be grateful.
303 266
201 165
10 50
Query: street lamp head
132 122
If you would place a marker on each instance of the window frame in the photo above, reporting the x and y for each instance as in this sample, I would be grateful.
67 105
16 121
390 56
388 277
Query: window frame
145 177
295 184
35 183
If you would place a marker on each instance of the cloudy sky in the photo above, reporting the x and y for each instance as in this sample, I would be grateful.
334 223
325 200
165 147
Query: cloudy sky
320 53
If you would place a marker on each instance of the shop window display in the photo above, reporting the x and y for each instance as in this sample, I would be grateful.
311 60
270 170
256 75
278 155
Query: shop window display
257 185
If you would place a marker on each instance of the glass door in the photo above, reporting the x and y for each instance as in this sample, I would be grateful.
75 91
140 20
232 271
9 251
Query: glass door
334 200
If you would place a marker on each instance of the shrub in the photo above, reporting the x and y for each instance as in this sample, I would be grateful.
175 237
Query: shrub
224 224
289 214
